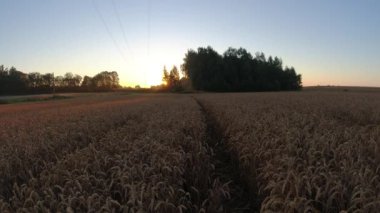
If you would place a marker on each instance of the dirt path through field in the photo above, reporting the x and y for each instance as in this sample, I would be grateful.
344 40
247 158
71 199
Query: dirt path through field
226 168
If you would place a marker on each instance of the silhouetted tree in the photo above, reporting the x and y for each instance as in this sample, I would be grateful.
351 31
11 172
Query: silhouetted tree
40 82
13 81
106 80
205 69
48 80
172 79
237 70
59 81
165 76
87 83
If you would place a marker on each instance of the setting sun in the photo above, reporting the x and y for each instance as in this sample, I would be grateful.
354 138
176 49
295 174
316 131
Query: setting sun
148 69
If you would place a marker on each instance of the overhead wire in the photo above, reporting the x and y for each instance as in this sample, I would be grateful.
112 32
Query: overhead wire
124 32
124 35
108 30
149 32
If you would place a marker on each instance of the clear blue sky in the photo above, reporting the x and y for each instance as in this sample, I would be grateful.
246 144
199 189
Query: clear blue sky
328 42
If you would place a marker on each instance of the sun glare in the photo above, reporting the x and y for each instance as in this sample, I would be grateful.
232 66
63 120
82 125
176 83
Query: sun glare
151 68
153 77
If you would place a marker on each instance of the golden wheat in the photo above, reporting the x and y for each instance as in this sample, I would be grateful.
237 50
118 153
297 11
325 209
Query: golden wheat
301 152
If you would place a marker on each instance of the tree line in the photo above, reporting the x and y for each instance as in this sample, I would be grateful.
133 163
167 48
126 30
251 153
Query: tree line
234 71
13 81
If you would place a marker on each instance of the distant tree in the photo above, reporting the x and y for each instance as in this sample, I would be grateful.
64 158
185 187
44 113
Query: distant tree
13 81
48 80
237 70
205 69
71 81
34 79
59 81
106 80
87 83
260 57
115 80
77 79
172 79
165 76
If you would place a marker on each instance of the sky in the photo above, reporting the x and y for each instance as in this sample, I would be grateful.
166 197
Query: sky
329 42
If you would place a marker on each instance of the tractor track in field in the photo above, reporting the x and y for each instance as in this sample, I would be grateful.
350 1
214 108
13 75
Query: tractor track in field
226 167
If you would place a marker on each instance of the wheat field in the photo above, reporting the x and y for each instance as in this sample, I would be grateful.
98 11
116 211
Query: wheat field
315 151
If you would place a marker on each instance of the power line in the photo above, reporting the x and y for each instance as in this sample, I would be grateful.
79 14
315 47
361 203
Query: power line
108 30
148 42
121 26
149 17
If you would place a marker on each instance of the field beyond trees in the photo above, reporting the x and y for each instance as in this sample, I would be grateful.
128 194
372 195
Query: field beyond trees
311 151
